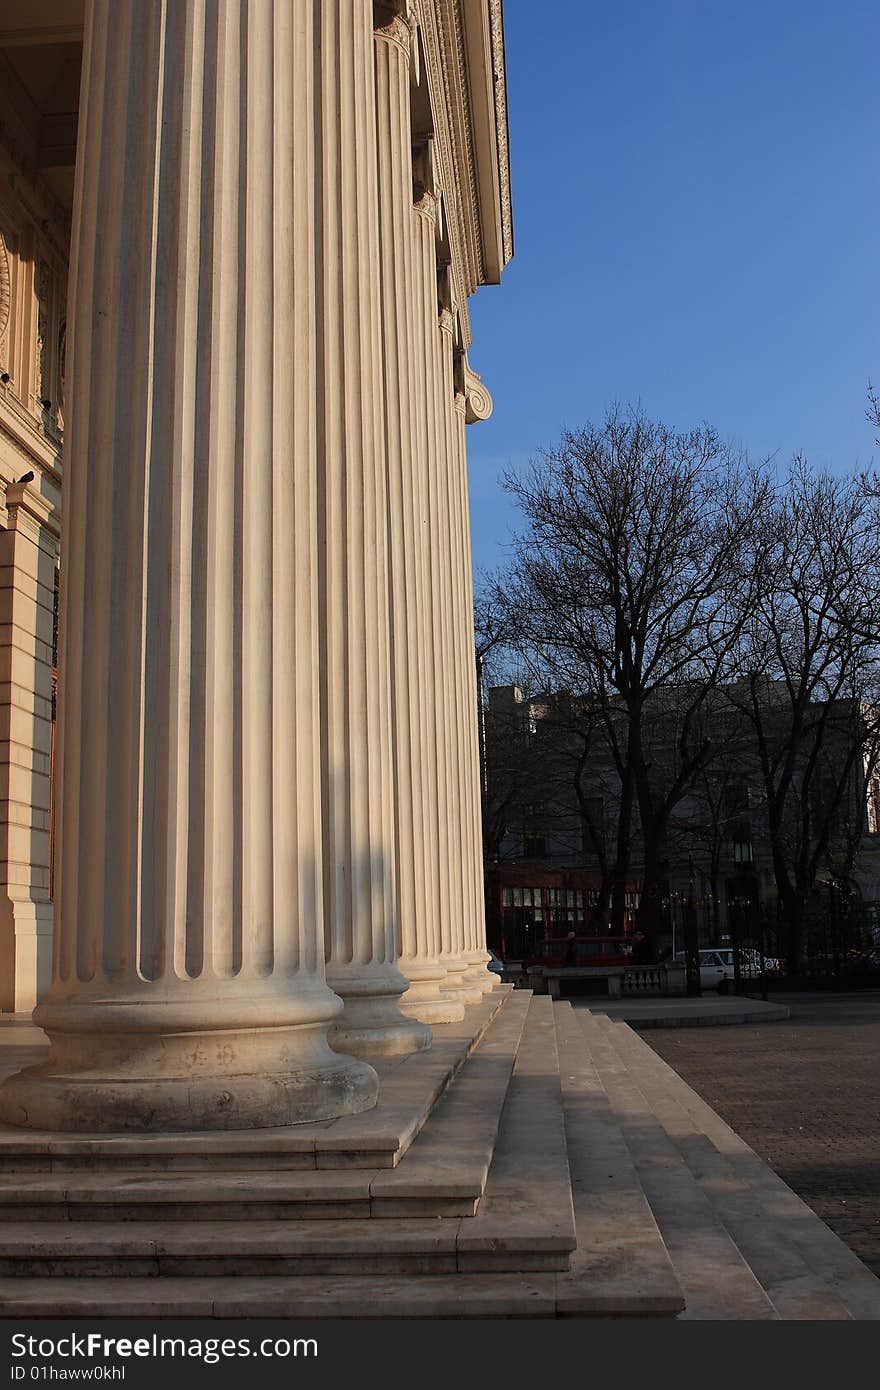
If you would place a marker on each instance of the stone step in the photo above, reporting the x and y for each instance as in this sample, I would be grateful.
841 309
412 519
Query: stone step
527 1212
336 1296
525 1222
444 1173
262 1248
793 1289
620 1260
715 1279
806 1270
409 1089
528 1188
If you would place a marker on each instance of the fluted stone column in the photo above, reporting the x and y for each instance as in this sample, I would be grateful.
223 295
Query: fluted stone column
472 868
189 988
445 868
424 220
458 960
360 863
410 668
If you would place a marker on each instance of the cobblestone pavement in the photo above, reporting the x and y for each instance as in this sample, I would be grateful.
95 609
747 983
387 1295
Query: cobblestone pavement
805 1095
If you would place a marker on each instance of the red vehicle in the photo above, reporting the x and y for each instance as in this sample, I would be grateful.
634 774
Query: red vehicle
581 950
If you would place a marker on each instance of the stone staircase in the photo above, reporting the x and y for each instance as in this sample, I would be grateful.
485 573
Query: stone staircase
539 1161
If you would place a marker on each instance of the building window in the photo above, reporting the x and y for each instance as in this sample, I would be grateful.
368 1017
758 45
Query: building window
742 852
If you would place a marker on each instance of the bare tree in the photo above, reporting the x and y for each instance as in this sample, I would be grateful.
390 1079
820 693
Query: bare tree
872 414
716 813
811 649
626 586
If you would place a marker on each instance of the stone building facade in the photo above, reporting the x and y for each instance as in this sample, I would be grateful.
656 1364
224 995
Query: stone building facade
268 858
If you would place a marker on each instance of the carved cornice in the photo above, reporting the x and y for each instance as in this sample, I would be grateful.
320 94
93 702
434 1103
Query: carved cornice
464 63
5 295
30 511
455 77
446 161
499 83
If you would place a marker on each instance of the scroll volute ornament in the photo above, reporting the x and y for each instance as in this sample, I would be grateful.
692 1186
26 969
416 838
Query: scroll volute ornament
478 402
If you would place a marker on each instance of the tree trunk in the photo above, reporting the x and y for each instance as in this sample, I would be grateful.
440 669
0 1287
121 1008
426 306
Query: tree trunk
620 874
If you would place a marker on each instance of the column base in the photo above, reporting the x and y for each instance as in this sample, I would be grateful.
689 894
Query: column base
374 1025
255 1079
443 1007
425 999
459 986
479 974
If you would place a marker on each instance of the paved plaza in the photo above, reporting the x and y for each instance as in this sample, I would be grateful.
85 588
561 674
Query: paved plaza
804 1095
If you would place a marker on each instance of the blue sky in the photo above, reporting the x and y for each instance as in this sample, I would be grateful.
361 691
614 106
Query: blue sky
695 201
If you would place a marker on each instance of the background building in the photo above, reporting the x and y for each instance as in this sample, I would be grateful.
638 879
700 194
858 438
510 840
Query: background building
551 818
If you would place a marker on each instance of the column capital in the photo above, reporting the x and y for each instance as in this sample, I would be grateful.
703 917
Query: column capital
395 22
427 195
446 293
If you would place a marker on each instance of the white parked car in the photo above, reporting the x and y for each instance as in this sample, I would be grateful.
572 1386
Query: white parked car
749 963
712 974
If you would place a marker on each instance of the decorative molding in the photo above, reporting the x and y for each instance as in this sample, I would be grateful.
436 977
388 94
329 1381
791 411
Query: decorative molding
447 161
499 85
463 47
455 75
5 296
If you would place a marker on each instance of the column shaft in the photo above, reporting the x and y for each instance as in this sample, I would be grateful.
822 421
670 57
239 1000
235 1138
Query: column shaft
472 867
424 999
360 864
442 791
